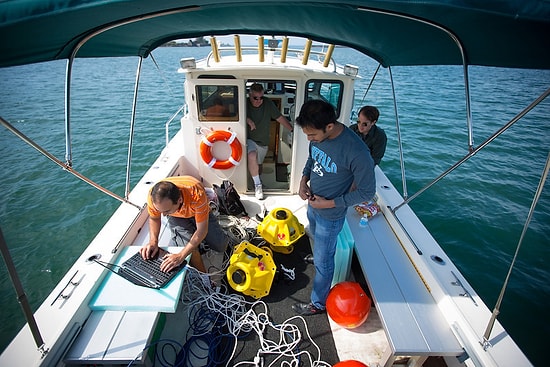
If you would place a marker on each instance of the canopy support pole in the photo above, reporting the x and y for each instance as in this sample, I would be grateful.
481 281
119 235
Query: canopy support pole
68 145
66 167
400 144
480 147
22 297
485 343
370 84
132 128
469 122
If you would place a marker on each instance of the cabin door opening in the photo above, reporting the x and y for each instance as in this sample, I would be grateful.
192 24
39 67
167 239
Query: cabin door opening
275 171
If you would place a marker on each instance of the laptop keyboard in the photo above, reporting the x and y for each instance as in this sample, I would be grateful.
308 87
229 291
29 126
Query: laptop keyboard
149 269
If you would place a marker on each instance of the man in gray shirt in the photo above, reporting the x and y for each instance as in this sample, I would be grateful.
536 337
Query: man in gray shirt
337 160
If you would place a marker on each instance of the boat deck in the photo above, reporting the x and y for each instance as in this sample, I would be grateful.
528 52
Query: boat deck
322 338
329 342
269 324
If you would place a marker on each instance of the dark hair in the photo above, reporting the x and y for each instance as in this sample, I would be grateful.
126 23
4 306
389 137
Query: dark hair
257 87
316 114
370 112
163 190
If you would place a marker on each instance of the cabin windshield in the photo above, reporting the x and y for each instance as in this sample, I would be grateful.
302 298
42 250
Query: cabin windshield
327 90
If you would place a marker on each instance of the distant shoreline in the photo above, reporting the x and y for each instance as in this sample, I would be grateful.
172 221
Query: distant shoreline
170 44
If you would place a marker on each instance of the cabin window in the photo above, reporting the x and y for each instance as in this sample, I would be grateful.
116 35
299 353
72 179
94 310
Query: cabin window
327 90
218 102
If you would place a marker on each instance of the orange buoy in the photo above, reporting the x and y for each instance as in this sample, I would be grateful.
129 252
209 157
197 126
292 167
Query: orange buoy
221 135
350 363
348 305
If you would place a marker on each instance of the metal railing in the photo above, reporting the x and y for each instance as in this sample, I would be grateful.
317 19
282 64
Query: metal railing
167 124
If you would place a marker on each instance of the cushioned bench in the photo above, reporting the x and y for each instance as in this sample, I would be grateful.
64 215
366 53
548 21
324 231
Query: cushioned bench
411 319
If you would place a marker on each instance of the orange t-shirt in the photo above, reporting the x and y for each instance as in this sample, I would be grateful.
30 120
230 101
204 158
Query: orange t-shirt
195 200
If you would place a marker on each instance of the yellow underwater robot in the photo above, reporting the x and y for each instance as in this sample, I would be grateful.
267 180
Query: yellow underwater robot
251 270
281 229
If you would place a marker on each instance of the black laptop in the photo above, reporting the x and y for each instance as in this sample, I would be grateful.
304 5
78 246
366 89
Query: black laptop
147 273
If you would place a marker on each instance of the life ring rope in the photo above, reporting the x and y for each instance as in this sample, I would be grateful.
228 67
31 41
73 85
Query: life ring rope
206 141
230 137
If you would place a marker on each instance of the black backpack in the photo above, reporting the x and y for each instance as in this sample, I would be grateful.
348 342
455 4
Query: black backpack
229 201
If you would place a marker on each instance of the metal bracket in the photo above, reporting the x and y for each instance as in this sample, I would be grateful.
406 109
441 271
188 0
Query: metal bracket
466 293
71 282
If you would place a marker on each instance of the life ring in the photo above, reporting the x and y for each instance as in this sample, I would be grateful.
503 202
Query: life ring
221 135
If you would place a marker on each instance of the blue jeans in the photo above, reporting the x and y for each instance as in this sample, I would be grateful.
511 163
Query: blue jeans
324 233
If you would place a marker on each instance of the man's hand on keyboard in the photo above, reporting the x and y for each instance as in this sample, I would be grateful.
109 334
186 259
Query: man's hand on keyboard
149 251
171 261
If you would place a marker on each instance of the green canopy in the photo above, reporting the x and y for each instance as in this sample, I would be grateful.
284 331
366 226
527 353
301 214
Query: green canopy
507 33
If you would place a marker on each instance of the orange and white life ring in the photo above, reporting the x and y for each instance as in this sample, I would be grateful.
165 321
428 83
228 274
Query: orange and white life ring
221 135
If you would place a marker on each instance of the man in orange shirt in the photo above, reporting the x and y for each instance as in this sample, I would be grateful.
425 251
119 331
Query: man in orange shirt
184 201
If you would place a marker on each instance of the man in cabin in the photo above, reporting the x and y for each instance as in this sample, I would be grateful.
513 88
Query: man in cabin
184 202
259 113
337 159
370 133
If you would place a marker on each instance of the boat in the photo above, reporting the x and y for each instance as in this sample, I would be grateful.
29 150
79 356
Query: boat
427 311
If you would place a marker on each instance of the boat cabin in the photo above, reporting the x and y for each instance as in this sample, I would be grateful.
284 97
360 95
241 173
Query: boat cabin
216 94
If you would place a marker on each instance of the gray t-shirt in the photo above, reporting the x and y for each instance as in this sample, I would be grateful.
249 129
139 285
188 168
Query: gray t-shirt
332 167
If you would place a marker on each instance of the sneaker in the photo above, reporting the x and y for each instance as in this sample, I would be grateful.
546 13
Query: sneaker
306 309
259 192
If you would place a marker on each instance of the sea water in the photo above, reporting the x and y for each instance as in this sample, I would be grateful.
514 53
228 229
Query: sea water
476 213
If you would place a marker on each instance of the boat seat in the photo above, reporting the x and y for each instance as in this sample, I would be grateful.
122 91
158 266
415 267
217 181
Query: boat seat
412 321
113 338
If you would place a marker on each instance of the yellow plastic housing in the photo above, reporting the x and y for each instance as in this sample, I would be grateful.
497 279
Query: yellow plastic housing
280 228
251 270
